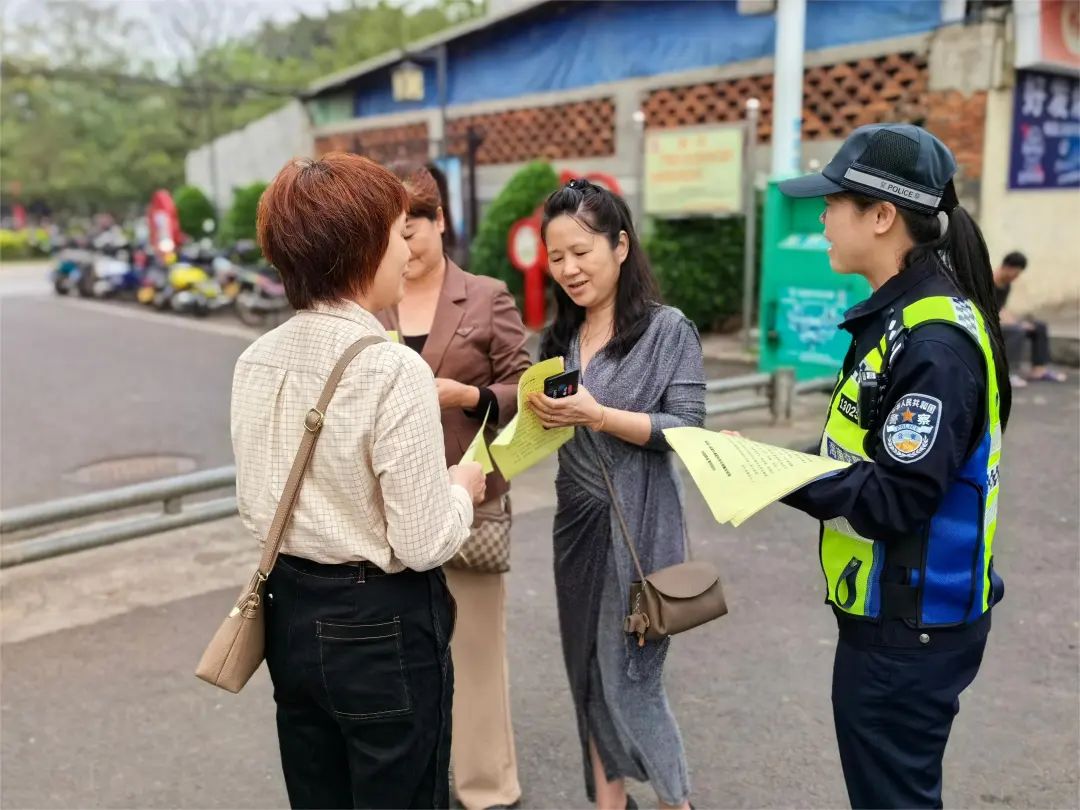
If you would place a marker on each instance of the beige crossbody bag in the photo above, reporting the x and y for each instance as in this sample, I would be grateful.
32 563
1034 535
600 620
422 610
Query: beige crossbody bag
238 647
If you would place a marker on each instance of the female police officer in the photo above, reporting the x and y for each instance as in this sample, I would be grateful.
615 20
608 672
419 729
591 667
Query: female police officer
908 529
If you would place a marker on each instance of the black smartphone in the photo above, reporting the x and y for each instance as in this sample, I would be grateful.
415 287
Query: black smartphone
562 385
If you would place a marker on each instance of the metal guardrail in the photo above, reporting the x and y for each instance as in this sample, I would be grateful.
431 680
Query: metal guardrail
776 391
167 491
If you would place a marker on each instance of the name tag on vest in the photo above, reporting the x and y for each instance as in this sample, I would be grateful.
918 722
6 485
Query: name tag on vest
849 408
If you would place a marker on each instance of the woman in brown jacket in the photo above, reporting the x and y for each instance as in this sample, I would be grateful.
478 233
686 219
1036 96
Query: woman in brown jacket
469 331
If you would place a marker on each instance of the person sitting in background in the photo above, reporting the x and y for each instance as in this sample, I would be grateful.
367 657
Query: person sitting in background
1017 329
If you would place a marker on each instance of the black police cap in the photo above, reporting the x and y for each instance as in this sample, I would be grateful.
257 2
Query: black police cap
900 163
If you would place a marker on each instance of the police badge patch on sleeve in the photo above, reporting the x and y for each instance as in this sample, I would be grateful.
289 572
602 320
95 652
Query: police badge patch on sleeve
912 427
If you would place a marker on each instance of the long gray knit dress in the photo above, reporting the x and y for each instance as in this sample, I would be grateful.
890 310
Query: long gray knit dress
617 687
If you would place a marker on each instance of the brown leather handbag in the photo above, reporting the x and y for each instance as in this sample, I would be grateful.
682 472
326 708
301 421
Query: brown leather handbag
673 599
238 647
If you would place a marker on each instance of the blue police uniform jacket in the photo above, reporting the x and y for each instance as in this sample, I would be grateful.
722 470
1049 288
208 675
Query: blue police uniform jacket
899 500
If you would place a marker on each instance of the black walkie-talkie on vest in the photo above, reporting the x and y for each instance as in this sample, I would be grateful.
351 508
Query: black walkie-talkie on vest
872 384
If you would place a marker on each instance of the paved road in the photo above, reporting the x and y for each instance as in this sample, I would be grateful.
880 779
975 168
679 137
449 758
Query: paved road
100 394
86 383
107 714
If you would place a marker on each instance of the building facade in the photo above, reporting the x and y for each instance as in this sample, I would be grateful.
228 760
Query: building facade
576 83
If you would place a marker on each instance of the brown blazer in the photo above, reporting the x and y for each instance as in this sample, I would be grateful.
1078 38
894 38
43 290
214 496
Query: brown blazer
477 338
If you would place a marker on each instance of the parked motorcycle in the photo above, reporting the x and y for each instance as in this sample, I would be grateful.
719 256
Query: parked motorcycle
72 266
182 287
258 294
114 275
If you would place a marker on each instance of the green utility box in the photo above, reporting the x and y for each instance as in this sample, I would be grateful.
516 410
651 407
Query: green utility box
802 299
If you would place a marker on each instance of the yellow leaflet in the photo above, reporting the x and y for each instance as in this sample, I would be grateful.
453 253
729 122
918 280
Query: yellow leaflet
739 477
478 450
524 442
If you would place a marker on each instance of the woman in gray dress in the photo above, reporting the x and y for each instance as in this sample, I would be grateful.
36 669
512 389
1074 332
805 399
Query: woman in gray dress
641 372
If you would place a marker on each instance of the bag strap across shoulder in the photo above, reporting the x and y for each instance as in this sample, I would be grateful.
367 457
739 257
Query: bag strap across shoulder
313 425
625 531
619 515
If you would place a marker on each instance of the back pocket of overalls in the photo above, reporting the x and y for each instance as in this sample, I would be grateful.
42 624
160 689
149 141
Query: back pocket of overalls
363 669
849 573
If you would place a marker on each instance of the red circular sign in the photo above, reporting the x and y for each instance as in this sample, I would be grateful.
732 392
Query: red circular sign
524 246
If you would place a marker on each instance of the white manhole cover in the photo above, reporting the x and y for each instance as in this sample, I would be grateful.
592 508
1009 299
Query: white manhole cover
131 470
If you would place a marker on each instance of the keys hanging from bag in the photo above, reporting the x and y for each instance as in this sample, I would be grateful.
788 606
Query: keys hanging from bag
673 599
238 647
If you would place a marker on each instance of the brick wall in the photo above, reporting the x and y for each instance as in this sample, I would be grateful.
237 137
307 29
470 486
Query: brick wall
576 130
836 98
960 121
384 145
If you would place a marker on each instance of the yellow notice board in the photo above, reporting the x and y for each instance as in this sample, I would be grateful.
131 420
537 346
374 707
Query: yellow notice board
694 170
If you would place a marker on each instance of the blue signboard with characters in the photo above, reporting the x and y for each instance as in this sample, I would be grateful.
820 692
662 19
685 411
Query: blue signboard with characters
1046 131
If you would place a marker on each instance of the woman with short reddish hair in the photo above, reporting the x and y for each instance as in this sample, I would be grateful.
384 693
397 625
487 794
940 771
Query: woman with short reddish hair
358 615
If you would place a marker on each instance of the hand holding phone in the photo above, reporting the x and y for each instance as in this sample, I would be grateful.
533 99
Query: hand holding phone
562 385
579 409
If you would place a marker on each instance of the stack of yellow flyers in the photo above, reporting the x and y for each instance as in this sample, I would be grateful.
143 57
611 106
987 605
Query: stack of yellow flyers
739 477
524 441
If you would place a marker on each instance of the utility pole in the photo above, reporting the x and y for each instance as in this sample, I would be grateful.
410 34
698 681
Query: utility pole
788 87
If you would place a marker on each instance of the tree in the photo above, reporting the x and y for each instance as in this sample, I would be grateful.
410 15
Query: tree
193 208
95 119
240 223
76 144
518 199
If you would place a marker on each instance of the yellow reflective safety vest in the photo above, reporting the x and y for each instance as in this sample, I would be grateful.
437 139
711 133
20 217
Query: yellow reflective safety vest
949 578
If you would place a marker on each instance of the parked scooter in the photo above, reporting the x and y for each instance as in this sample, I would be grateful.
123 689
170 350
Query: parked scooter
181 287
114 275
72 266
258 294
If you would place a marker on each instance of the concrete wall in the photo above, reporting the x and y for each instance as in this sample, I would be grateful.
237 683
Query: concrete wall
968 103
255 153
1043 224
628 96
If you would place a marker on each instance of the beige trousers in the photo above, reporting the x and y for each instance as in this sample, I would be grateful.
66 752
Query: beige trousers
482 748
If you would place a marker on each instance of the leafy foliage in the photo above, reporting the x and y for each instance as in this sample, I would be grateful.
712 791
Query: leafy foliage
699 264
101 106
518 199
240 222
23 244
193 208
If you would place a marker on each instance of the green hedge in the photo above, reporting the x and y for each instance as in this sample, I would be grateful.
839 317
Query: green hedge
699 264
193 208
519 198
24 244
240 221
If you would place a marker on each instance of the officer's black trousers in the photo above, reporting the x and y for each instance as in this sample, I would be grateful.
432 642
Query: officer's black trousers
893 708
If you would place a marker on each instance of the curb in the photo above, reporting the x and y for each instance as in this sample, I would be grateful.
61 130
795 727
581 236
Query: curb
1065 351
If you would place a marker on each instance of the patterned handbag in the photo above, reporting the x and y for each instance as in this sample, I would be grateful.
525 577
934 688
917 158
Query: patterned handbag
487 551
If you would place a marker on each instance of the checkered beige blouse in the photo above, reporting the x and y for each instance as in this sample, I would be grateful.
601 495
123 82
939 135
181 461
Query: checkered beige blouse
377 487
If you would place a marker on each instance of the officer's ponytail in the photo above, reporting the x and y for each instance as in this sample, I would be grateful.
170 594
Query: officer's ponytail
952 240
